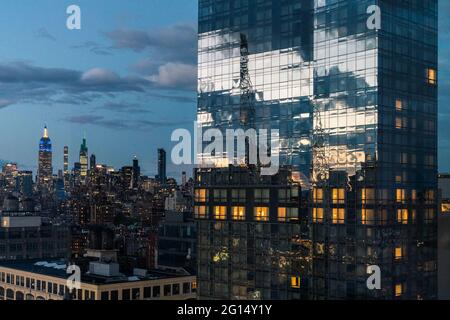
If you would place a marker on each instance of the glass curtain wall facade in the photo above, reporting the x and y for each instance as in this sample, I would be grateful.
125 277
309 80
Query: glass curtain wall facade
354 102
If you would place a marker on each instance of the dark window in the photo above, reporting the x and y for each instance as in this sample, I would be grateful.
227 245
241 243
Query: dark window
176 289
126 294
186 287
114 295
167 290
105 296
147 292
156 292
136 293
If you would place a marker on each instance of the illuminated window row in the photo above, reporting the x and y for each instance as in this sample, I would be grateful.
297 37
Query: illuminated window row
238 213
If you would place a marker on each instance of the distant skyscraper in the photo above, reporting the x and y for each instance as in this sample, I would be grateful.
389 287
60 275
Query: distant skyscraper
83 160
92 162
183 178
136 172
66 160
66 167
45 170
162 176
24 183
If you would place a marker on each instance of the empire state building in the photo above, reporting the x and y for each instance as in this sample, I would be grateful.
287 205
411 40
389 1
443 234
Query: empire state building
45 170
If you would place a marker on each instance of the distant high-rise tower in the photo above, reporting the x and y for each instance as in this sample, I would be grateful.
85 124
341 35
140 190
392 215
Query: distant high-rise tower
83 160
45 170
162 177
66 160
183 178
66 167
92 162
136 172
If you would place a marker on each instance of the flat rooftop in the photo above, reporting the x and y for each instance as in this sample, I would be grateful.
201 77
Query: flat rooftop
57 268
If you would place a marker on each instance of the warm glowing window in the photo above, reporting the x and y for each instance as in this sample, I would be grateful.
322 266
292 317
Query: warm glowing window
200 212
317 214
220 212
398 253
262 214
338 216
287 214
401 122
200 195
367 195
338 195
431 76
239 213
318 195
194 285
282 214
398 105
445 207
295 282
367 216
402 216
400 196
398 290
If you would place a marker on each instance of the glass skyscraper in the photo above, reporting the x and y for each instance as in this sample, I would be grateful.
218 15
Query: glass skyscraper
356 106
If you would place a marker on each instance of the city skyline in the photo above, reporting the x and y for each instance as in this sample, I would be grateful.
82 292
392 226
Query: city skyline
127 47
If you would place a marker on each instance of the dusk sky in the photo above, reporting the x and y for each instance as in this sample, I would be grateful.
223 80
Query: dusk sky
127 79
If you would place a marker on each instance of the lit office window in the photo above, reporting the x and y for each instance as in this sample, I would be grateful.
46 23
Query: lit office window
398 105
318 215
445 208
402 216
200 212
295 282
318 195
398 253
262 214
338 216
368 216
238 213
287 214
220 212
398 290
431 76
338 195
367 195
400 196
200 195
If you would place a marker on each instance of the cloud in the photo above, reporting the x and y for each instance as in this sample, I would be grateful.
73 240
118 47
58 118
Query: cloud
176 42
94 48
124 107
172 54
23 82
4 103
44 34
176 75
122 124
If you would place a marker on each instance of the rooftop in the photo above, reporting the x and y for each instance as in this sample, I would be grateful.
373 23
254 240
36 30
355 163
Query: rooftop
57 268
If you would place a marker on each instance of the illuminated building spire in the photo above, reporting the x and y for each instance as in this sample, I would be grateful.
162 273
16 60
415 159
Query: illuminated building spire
45 132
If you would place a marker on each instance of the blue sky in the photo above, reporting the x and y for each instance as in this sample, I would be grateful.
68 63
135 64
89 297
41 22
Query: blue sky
126 80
